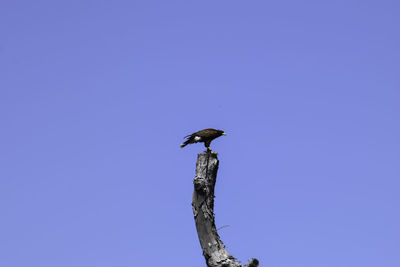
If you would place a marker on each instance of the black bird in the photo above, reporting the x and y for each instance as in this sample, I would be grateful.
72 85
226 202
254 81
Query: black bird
206 136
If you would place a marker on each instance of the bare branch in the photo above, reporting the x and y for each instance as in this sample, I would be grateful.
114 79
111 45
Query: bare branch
203 210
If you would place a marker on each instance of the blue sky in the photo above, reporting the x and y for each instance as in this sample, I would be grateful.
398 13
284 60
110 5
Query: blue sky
96 96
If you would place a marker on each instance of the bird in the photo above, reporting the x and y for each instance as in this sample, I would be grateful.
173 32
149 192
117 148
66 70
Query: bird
206 136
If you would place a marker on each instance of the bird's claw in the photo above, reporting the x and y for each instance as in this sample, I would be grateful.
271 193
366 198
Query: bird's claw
210 151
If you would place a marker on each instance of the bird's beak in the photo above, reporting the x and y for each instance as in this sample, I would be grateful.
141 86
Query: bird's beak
224 133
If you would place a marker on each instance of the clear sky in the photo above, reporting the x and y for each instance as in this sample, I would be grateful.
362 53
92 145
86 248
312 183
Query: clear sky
96 96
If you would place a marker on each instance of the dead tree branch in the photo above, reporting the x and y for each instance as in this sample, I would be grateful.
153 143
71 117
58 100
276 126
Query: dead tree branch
203 210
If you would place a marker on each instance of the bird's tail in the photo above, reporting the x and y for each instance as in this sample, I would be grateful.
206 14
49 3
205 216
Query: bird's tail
188 141
184 144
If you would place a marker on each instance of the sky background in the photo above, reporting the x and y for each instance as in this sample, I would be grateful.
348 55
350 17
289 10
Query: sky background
96 96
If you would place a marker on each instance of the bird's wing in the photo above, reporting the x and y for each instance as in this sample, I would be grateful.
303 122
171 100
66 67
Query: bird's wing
206 132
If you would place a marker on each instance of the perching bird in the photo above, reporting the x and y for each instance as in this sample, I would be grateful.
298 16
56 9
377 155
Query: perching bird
206 136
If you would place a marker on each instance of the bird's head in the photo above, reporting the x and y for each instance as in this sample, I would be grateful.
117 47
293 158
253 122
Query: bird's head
221 132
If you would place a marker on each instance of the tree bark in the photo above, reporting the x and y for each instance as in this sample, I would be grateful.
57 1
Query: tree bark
214 250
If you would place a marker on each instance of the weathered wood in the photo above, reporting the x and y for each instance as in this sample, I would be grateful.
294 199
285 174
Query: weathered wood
203 210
